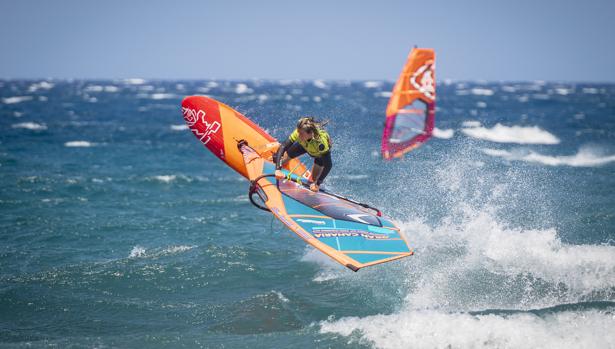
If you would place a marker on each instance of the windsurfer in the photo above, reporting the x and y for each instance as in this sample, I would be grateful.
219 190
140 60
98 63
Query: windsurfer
309 137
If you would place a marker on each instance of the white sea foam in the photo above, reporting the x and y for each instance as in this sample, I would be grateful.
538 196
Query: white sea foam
166 178
351 177
183 178
482 91
93 88
590 90
384 94
470 123
79 144
134 81
355 176
443 134
137 252
242 88
111 88
319 84
179 127
146 88
497 152
16 99
158 96
431 329
324 276
484 243
514 268
563 91
43 85
262 98
512 134
176 249
281 296
372 84
30 126
140 252
99 88
536 86
585 157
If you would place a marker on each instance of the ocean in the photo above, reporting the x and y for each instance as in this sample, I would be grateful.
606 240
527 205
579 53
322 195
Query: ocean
120 230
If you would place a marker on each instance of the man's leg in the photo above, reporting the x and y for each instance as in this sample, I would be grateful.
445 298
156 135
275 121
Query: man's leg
316 171
322 166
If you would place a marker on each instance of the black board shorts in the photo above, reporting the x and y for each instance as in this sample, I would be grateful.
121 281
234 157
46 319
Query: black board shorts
324 160
296 150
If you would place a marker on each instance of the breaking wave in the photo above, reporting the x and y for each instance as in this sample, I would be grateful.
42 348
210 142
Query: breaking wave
512 134
585 157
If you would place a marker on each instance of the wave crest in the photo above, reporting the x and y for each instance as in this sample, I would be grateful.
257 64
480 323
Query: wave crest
585 157
512 134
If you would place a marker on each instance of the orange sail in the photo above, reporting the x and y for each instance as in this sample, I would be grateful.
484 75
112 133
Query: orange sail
410 113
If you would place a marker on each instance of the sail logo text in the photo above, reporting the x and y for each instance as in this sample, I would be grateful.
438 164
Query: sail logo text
212 128
423 80
192 117
339 233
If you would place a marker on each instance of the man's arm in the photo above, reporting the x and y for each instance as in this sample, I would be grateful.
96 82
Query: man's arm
280 153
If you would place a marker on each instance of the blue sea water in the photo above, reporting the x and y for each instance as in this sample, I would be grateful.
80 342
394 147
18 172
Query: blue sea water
120 230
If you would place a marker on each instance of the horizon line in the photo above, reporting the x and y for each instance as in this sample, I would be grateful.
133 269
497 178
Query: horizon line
445 81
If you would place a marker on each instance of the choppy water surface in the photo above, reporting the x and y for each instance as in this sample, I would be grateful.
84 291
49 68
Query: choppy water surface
119 229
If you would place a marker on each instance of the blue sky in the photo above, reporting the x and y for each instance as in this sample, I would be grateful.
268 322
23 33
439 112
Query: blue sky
318 39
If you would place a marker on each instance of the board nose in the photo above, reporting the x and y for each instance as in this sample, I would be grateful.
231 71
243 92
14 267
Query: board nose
202 115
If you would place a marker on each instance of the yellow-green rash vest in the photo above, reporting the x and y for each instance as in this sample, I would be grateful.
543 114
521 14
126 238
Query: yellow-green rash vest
317 146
